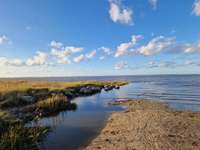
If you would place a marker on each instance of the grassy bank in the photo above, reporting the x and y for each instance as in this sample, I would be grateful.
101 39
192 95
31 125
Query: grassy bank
14 135
23 101
21 85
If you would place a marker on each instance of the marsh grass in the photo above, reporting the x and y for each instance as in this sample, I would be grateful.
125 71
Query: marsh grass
19 137
15 136
53 103
11 91
24 85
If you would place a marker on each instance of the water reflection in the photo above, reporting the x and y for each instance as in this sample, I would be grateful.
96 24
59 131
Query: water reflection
75 129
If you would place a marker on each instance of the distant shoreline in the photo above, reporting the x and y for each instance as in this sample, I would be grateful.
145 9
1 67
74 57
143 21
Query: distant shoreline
89 76
149 125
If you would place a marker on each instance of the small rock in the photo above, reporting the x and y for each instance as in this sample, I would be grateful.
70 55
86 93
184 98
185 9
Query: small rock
108 87
117 87
28 99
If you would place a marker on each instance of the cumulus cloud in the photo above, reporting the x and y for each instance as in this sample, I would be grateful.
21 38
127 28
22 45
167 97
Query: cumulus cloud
153 3
4 40
86 56
63 53
186 48
79 58
10 62
196 8
56 45
39 59
91 54
107 51
73 49
121 65
124 48
119 13
156 45
192 48
69 49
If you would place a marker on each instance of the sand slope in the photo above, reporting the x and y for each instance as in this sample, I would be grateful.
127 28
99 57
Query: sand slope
149 126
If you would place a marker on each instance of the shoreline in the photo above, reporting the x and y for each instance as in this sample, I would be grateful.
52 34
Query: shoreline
149 125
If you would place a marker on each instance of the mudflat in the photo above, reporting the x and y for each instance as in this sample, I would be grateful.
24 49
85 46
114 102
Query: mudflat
147 125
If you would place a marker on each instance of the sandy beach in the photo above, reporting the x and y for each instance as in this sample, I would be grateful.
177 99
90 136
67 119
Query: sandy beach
146 125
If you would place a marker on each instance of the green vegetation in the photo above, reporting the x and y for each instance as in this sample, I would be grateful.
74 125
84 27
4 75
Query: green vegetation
54 102
21 85
35 99
20 93
18 137
15 136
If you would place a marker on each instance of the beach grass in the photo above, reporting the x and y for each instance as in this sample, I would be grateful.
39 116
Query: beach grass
19 137
7 86
53 103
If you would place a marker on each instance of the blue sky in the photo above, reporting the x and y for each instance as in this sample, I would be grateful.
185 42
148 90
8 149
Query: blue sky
99 37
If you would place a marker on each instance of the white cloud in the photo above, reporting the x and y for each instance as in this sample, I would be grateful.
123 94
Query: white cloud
56 45
153 3
156 45
79 58
124 48
187 48
196 8
121 65
10 62
83 57
91 54
16 62
192 48
39 59
4 40
119 13
107 51
73 49
63 53
68 49
3 61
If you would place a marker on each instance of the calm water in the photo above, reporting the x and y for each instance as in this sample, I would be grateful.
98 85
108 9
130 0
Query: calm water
72 130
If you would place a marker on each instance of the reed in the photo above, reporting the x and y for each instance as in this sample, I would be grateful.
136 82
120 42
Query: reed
24 85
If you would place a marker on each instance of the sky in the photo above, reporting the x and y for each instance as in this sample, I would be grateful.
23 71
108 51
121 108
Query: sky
99 37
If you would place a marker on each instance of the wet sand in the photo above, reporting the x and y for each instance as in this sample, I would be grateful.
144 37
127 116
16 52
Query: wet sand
149 125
